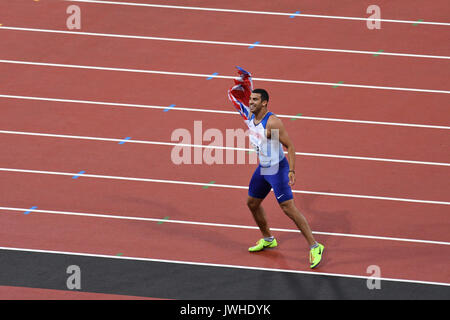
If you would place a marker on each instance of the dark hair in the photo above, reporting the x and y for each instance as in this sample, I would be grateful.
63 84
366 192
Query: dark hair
263 93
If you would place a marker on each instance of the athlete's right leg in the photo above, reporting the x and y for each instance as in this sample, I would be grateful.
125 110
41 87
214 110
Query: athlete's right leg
257 191
254 204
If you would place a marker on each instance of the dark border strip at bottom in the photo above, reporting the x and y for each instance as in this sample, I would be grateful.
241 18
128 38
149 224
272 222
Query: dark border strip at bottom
192 282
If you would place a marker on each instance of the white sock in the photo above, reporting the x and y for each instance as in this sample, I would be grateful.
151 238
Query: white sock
269 239
315 245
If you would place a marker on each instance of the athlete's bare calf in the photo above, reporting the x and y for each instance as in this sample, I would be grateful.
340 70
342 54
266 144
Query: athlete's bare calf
289 208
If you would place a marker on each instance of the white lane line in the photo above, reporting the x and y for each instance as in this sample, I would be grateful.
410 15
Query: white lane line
257 12
221 225
199 75
222 265
226 43
163 143
211 110
216 185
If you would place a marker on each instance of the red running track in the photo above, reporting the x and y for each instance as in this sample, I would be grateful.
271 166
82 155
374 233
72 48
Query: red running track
310 136
22 293
327 33
388 71
135 160
401 9
319 101
144 199
221 245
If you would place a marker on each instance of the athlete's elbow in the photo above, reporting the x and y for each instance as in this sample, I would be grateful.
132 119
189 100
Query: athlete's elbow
290 147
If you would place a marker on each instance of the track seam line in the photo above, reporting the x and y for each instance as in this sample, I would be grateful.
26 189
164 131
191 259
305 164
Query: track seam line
226 43
175 144
186 74
223 265
256 12
211 224
216 185
210 110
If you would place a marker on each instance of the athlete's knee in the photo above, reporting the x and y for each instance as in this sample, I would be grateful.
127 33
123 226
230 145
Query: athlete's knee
288 207
253 203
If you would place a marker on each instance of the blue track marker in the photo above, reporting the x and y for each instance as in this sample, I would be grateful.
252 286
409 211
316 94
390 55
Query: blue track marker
254 45
212 76
30 210
169 107
295 14
78 174
124 140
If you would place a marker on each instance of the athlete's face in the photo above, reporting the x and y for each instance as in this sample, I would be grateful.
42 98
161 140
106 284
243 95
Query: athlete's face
255 103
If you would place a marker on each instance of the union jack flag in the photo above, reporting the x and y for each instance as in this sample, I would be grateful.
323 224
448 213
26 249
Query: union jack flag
240 93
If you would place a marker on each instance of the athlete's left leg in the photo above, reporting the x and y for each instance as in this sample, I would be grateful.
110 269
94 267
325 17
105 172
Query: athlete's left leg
292 212
283 192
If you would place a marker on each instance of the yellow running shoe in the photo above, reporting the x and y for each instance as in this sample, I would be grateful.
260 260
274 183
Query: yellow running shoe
262 244
315 255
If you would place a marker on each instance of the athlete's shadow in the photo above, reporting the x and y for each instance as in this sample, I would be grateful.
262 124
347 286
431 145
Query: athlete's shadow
321 220
155 209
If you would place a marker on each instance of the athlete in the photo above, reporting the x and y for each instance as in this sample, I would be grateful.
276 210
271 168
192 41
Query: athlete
274 171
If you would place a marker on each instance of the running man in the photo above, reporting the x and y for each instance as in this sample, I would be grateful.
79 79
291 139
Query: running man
274 171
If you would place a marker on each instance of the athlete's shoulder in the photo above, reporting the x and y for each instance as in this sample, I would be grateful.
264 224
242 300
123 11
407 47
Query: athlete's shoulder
274 122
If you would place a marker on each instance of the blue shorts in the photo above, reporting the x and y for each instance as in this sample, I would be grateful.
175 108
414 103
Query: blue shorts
260 184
